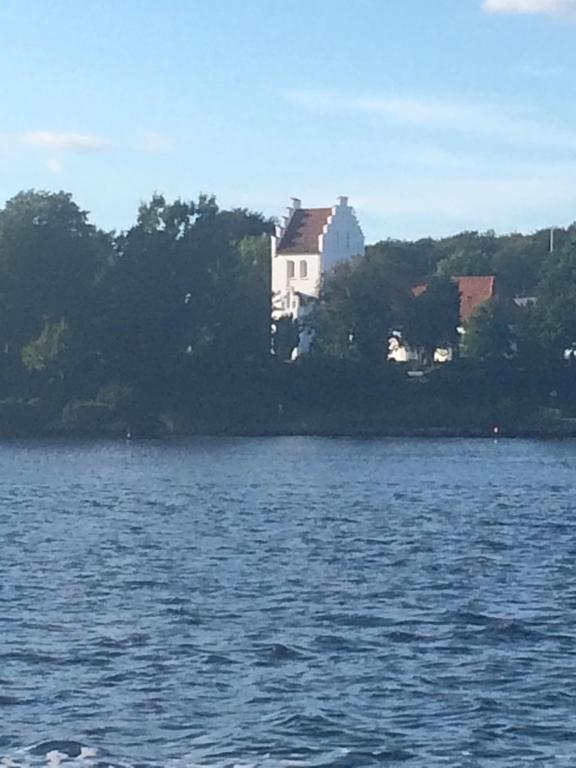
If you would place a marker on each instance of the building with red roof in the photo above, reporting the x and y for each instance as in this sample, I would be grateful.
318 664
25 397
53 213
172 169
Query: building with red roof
475 290
307 243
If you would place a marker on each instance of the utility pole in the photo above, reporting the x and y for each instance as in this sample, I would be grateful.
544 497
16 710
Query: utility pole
552 232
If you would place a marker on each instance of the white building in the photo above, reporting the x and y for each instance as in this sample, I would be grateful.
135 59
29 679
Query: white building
308 243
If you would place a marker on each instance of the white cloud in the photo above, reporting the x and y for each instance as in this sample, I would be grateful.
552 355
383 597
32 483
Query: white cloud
550 7
65 142
504 122
56 144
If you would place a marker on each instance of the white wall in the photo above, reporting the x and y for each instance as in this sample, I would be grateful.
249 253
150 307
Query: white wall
281 282
343 237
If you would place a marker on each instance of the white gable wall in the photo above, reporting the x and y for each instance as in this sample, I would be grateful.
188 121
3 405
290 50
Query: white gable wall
342 237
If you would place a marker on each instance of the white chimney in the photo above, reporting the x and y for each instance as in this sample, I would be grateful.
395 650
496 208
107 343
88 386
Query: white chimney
296 203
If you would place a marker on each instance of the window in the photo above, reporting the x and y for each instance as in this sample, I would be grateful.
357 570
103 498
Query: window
291 270
303 269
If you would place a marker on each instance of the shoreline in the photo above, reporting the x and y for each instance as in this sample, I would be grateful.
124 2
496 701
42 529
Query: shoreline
519 432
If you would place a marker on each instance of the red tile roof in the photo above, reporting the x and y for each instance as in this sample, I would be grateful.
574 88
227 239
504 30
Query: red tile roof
303 231
474 291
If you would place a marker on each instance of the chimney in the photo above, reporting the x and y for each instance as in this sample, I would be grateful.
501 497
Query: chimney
343 202
296 203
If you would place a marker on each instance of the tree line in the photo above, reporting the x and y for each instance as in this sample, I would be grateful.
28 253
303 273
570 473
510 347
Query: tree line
532 318
169 321
131 320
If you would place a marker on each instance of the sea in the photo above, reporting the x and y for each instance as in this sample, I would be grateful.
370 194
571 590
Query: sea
287 603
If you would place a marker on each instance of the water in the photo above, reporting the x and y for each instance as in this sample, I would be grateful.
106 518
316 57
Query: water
288 602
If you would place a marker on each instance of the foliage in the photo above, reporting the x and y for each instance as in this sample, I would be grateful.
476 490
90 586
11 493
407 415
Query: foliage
190 280
516 260
467 254
285 337
187 282
361 301
413 260
489 332
50 261
545 330
433 317
48 351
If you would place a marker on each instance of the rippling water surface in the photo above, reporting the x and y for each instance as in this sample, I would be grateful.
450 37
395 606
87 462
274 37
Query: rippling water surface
288 602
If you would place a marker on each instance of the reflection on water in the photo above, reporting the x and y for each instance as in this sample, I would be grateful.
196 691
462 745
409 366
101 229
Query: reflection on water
288 602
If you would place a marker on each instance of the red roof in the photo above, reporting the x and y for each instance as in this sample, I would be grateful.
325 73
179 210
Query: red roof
418 290
303 230
474 291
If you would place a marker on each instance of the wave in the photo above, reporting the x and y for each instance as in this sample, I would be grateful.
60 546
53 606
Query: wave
62 753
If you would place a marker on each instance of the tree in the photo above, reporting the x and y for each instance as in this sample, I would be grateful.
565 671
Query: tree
433 317
489 333
189 288
415 261
250 282
47 352
554 316
50 261
360 302
468 253
285 337
528 336
517 264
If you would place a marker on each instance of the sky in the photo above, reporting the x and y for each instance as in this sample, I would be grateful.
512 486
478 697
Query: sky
433 116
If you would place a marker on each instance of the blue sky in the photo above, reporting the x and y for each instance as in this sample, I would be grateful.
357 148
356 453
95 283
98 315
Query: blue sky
432 115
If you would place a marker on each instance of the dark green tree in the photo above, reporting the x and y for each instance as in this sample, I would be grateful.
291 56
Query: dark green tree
361 302
432 318
188 288
489 334
553 320
468 253
51 258
49 352
415 261
285 337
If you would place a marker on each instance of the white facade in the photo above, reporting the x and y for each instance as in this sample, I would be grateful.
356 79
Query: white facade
400 352
307 243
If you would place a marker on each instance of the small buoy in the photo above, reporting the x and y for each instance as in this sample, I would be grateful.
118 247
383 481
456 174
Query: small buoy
496 431
128 435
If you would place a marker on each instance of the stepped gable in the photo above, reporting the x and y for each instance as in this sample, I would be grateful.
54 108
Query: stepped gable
474 291
303 230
